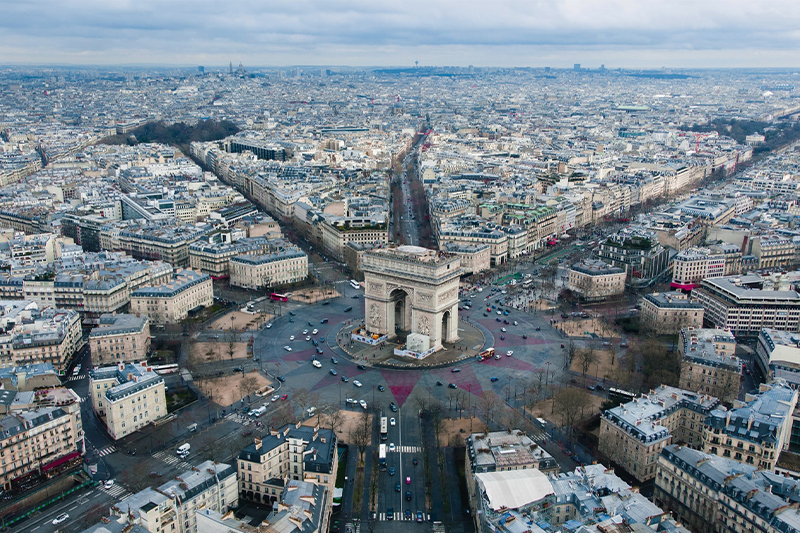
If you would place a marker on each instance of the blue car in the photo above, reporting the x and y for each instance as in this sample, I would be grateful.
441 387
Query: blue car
494 379
498 320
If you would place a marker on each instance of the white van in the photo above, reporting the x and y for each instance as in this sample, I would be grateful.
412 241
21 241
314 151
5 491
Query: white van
192 427
183 449
258 411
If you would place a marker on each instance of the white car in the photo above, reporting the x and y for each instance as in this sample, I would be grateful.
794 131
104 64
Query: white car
392 421
308 338
287 348
276 398
316 364
357 383
351 401
60 518
503 330
363 404
269 325
108 484
291 338
315 332
510 353
499 313
305 332
391 447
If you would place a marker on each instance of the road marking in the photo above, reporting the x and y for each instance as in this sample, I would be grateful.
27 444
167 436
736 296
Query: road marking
72 508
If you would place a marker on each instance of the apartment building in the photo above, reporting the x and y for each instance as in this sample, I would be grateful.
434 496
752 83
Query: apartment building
755 431
174 506
475 258
281 266
32 335
691 266
213 258
504 451
489 235
119 338
127 397
337 232
777 356
37 444
160 241
638 252
709 364
172 302
743 305
595 280
632 435
772 251
710 493
293 452
669 312
299 510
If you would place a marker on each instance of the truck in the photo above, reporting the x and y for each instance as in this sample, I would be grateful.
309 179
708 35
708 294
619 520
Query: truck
183 449
258 411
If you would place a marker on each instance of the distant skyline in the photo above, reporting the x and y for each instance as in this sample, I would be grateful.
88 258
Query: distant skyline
504 33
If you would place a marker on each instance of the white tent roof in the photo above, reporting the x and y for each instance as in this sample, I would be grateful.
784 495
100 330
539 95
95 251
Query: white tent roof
515 488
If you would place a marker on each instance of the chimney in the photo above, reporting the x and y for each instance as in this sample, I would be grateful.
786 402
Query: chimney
258 443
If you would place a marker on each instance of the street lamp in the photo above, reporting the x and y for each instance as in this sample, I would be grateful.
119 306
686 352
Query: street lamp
547 376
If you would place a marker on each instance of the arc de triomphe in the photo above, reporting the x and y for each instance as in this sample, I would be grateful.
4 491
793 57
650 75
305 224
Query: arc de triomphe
410 289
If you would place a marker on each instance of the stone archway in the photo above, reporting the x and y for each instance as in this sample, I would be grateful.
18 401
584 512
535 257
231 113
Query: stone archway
400 311
445 326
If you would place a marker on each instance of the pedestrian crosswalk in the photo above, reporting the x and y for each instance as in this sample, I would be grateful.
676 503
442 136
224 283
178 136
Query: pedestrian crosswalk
167 458
116 491
76 378
408 449
400 516
106 451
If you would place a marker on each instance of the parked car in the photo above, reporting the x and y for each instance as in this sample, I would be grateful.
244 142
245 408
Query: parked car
316 364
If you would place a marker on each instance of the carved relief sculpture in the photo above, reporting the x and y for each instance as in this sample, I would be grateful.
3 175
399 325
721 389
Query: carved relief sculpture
375 315
424 325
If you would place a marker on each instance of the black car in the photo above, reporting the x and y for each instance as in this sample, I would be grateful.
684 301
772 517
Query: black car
408 496
237 369
355 297
292 313
311 324
455 370
326 302
439 383
390 513
381 388
407 512
415 461
393 407
361 367
452 386
291 319
348 309
524 336
397 487
281 379
334 361
323 321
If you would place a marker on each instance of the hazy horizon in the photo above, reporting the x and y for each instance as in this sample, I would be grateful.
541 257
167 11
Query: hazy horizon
509 33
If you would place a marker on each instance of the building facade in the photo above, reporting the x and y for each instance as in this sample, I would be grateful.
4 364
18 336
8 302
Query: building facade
119 339
595 280
709 363
127 397
171 302
669 312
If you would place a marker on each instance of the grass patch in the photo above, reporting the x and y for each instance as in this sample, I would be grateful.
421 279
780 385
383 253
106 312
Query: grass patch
179 398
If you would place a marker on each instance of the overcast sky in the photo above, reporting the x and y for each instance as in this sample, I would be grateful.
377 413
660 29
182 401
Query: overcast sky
535 33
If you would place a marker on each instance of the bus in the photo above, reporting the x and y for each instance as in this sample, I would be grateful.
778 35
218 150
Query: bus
279 297
164 369
384 428
486 354
620 396
355 284
382 456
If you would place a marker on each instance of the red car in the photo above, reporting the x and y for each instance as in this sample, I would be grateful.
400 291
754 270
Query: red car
285 396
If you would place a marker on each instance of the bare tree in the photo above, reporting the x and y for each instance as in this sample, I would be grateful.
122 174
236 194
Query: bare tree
488 404
301 398
361 434
569 404
248 385
587 358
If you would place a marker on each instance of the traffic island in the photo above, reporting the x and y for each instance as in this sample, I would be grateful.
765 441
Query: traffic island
471 342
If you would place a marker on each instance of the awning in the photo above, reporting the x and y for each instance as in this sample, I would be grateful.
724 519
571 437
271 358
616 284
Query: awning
60 461
684 286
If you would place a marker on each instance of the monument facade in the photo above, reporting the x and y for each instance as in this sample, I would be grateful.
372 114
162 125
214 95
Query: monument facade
412 290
